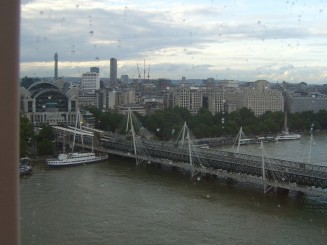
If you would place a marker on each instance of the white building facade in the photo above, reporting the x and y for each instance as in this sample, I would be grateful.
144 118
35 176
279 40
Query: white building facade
90 82
261 98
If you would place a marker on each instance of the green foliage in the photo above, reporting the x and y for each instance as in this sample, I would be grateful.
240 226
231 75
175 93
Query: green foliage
107 121
45 139
26 135
45 147
166 123
46 133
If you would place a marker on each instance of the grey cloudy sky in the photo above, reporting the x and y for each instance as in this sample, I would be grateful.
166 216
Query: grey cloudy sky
241 40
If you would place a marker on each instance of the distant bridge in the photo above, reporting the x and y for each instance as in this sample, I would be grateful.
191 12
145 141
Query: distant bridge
273 174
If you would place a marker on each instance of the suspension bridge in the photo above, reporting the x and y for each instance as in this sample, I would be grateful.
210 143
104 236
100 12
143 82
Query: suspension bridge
272 174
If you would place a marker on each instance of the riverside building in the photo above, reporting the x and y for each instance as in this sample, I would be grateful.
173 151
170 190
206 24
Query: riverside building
311 101
45 103
261 98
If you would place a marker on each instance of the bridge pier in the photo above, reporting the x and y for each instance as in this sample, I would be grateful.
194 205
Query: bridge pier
230 181
281 191
209 176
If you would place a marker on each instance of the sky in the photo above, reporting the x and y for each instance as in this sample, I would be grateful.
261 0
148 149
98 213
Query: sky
243 40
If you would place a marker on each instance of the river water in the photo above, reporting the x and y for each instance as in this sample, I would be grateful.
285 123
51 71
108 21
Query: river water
117 202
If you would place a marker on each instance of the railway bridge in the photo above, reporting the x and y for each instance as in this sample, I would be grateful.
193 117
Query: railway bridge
272 174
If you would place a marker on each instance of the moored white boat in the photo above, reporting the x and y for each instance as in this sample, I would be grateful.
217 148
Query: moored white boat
287 137
75 158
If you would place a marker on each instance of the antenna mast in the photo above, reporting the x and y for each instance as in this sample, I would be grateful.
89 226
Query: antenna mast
144 70
138 71
149 72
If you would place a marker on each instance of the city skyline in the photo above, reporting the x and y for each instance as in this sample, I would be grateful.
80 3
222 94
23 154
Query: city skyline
236 40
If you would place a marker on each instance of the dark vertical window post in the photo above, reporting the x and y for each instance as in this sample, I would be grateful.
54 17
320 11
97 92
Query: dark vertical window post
9 109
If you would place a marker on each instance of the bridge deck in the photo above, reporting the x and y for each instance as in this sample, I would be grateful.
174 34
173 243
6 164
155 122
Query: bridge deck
290 175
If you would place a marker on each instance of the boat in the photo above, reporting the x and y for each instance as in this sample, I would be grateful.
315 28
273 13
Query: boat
246 141
265 139
285 135
75 158
25 167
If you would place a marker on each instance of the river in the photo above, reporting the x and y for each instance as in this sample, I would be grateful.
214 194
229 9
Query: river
117 202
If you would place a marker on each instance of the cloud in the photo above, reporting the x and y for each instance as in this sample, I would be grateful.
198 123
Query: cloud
197 37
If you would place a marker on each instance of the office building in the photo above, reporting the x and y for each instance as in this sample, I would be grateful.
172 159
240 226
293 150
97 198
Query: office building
113 72
216 100
90 81
124 78
261 98
297 102
187 97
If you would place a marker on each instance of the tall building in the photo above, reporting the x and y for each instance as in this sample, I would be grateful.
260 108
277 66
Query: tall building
90 81
113 72
56 66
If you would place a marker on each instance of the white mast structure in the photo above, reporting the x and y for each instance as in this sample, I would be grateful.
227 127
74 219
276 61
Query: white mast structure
310 143
187 136
239 140
265 189
130 125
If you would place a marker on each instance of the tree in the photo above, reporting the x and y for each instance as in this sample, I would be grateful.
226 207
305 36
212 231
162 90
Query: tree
322 119
46 133
26 134
45 139
45 147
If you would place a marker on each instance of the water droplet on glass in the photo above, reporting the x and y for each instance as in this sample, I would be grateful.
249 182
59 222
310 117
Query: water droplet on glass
91 33
259 22
198 178
208 196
